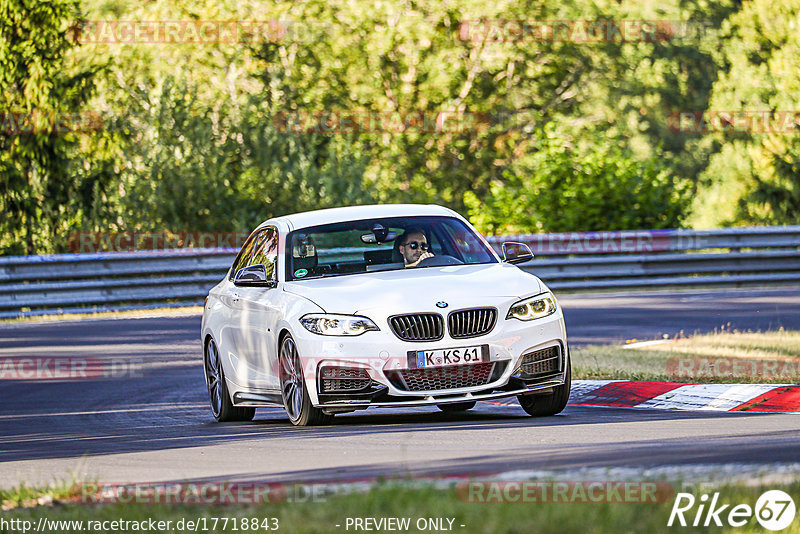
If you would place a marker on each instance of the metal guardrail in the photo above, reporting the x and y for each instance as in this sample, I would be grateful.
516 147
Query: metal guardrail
34 285
656 241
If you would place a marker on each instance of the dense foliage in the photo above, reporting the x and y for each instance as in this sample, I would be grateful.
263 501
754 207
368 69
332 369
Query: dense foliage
544 134
47 180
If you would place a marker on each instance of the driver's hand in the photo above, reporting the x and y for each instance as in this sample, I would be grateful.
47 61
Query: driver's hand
422 256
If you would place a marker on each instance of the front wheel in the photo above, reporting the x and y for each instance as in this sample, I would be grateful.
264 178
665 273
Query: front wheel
221 406
293 390
552 403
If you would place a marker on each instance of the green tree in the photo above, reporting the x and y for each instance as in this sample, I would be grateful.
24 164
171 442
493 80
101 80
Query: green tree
572 135
754 178
190 167
403 58
44 181
197 147
562 187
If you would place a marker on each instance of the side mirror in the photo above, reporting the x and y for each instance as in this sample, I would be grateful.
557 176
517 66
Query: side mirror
516 252
253 275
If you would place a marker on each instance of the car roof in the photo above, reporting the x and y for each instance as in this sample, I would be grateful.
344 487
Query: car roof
354 213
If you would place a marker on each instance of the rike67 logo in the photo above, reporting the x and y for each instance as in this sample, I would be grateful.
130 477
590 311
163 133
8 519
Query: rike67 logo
774 510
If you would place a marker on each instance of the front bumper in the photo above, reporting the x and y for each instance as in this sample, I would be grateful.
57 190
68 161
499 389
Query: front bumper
357 404
382 356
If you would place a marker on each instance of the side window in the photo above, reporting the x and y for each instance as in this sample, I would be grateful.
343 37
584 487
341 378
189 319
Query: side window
243 258
266 251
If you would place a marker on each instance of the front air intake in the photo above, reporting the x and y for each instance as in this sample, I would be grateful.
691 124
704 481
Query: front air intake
343 379
442 378
540 363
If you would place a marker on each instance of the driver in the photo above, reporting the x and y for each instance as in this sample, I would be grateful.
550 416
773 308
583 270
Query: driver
414 247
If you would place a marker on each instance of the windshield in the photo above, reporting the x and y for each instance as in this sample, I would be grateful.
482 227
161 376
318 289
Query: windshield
387 244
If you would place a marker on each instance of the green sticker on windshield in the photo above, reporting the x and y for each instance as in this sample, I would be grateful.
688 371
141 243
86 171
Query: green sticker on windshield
300 273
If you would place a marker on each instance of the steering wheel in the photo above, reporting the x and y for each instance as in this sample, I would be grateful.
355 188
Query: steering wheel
438 261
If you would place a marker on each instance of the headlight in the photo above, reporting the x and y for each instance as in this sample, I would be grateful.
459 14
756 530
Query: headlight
327 324
533 308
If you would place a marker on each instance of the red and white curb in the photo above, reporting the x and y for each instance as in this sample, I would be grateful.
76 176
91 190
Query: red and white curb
783 398
679 396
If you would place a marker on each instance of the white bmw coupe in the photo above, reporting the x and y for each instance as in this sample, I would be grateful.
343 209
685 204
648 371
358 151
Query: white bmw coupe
337 310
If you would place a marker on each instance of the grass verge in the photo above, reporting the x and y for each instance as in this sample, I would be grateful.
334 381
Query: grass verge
752 357
331 514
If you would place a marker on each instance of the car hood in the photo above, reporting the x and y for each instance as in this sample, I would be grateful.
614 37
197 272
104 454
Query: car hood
410 290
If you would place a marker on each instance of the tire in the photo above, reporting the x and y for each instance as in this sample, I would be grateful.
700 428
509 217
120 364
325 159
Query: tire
550 404
221 406
457 406
296 401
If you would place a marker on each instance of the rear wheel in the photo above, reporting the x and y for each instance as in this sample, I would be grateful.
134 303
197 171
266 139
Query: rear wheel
221 406
552 403
293 390
457 406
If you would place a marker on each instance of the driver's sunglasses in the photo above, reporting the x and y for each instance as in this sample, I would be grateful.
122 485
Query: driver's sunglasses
413 245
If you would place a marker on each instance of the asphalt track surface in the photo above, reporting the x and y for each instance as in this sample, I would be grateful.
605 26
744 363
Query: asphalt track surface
156 426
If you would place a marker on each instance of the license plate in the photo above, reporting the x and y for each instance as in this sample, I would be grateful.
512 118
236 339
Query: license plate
421 359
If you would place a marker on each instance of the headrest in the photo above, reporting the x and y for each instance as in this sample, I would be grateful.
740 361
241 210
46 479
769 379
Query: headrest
396 256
